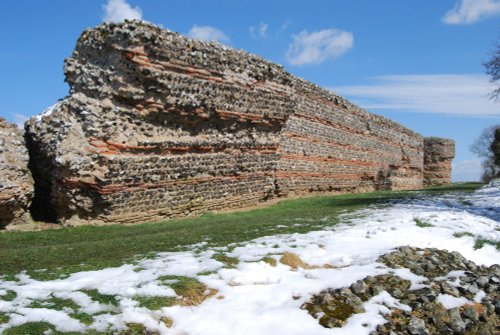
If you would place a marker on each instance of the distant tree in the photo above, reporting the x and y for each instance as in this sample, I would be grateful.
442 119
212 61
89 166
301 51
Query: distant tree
493 70
495 150
486 147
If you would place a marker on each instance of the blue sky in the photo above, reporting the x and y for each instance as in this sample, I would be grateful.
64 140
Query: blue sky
416 62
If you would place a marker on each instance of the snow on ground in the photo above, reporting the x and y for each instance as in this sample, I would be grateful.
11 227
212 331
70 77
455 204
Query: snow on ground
257 298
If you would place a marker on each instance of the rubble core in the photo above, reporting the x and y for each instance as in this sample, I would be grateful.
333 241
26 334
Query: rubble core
158 125
16 184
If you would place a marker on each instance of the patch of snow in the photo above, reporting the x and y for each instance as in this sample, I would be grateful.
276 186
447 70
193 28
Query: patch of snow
59 319
449 301
479 296
257 298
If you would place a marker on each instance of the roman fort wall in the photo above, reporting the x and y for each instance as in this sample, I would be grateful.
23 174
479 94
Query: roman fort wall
158 125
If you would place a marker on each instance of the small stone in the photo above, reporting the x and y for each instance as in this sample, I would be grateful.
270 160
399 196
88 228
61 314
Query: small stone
473 289
470 312
397 293
471 266
448 289
490 308
466 279
456 323
376 289
359 287
417 327
482 281
495 268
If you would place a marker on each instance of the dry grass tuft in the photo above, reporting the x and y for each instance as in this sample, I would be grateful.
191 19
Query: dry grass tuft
192 292
271 261
167 321
293 261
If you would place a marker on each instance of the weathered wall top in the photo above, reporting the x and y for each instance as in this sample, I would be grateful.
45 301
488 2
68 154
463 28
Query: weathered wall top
126 61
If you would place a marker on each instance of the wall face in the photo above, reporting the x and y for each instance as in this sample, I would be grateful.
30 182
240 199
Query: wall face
16 184
439 153
329 144
158 125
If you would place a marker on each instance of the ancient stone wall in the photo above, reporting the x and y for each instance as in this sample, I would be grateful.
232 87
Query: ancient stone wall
16 184
438 155
158 125
328 144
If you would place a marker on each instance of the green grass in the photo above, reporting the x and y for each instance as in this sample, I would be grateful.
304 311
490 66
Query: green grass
63 304
455 187
101 298
39 328
67 250
54 303
32 328
422 224
481 242
134 329
155 303
229 262
4 318
462 234
9 296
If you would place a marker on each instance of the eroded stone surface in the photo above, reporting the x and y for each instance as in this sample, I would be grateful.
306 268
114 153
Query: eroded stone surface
159 125
16 184
438 155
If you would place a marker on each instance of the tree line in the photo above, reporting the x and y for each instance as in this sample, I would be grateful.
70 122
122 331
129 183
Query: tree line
487 145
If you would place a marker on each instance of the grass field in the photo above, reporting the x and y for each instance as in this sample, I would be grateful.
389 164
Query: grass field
68 250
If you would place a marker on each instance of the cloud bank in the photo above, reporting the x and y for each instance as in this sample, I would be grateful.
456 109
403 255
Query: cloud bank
316 47
208 33
471 11
454 94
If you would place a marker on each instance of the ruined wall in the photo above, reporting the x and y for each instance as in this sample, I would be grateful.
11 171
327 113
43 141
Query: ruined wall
159 125
16 184
438 155
328 144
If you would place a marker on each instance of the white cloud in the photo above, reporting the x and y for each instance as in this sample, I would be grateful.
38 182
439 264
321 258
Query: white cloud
467 170
119 10
442 93
259 31
318 46
208 33
471 11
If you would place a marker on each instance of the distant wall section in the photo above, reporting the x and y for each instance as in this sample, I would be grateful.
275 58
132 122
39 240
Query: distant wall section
329 144
438 156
